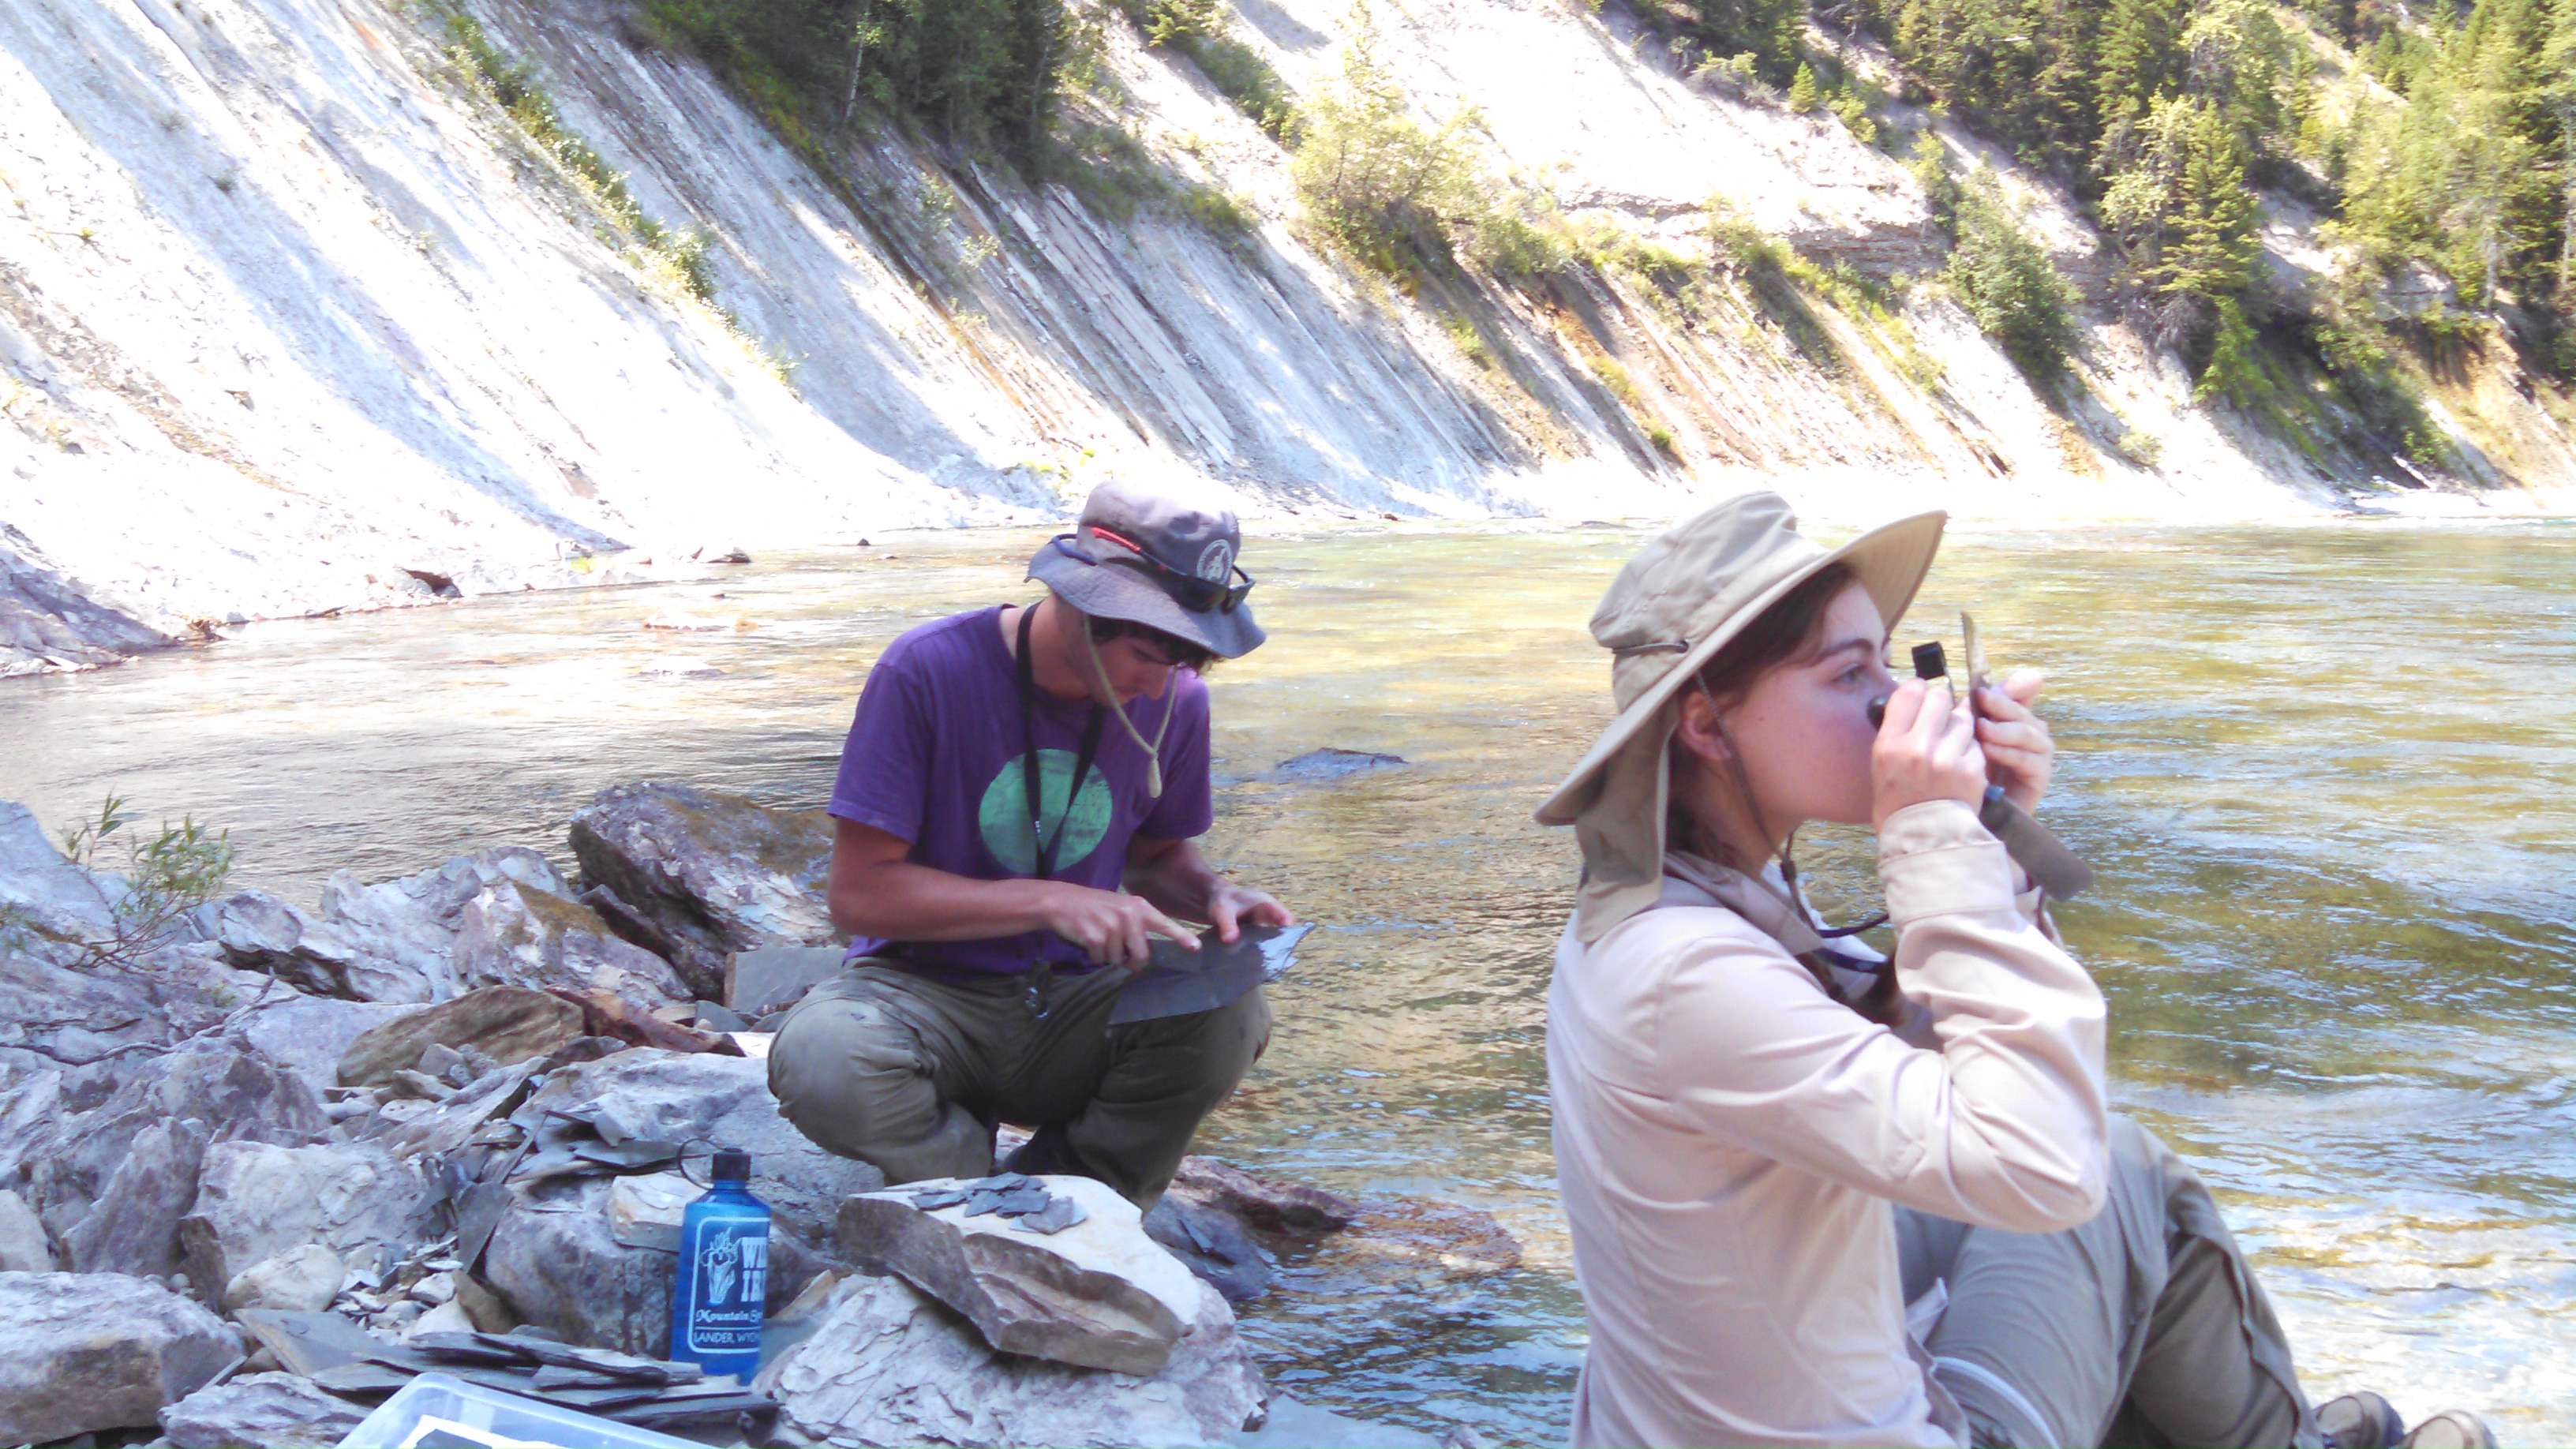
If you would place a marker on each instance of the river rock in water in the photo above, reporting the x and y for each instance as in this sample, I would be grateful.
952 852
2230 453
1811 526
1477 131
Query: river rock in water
256 1200
712 873
87 1351
890 1365
1100 1293
512 934
1213 1244
1287 1208
275 1410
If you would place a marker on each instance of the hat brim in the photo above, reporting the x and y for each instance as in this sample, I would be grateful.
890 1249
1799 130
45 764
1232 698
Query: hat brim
1111 591
1890 561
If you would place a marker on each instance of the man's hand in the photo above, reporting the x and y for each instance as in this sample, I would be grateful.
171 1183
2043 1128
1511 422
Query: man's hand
2020 754
1110 926
1926 750
1231 907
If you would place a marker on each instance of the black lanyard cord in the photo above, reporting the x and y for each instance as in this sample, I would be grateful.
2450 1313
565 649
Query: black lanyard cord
1046 847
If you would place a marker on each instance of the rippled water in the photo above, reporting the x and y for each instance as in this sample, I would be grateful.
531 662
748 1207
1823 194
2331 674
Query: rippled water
2328 775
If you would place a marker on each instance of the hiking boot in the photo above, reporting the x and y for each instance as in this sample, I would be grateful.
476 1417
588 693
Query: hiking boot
1048 1152
2453 1429
2360 1421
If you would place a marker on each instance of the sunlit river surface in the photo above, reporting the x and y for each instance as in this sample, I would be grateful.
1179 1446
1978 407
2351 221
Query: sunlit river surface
2328 775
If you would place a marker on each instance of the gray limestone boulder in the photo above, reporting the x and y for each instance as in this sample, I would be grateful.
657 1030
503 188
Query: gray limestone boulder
254 1201
558 1261
44 894
24 1248
711 873
1099 1294
307 1035
556 1256
391 941
108 1155
87 1351
275 1411
513 934
299 1280
649 1094
257 931
890 1365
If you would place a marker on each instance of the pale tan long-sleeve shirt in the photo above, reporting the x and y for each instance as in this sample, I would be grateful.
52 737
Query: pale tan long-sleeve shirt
1729 1140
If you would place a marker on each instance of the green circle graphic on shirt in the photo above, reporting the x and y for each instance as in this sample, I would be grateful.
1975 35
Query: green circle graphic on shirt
1004 815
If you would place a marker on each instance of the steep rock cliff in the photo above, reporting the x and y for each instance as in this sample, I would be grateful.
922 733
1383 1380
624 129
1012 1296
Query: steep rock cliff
294 317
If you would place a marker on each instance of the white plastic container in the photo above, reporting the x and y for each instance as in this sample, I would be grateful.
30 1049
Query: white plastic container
435 1411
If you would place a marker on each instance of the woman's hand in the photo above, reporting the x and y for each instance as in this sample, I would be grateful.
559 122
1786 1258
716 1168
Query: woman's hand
2019 751
1926 750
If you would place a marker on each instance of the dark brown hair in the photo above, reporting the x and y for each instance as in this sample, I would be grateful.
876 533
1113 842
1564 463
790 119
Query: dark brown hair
1782 634
1183 654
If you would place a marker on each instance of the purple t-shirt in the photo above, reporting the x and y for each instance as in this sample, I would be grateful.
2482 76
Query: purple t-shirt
934 758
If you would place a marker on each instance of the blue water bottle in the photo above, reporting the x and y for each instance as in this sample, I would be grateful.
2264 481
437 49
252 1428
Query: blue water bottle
723 1285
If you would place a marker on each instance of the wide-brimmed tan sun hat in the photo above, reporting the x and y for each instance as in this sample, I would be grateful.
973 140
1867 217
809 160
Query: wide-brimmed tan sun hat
1678 602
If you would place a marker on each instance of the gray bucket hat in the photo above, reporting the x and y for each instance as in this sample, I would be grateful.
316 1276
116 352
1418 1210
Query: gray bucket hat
1694 587
1150 558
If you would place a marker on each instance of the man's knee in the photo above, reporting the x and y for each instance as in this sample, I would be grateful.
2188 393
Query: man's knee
853 1078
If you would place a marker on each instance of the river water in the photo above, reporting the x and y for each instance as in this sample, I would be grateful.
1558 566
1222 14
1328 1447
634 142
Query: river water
2328 776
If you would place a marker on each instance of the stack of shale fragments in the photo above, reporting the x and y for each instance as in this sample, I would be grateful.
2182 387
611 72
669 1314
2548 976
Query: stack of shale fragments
260 1166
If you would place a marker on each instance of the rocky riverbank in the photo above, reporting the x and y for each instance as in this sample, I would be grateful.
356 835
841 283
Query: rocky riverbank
260 1165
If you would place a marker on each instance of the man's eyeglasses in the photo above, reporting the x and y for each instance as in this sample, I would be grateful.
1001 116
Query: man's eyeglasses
1193 593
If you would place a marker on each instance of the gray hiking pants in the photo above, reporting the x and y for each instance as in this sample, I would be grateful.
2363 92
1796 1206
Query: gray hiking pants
909 1073
2143 1327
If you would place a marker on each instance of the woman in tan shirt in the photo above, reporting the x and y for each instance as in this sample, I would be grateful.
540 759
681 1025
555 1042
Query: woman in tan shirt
1818 1197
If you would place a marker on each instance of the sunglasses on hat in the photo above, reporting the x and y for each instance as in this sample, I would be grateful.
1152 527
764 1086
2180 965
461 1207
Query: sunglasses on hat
1191 592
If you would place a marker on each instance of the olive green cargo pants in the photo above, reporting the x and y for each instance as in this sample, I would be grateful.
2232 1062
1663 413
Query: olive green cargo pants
909 1073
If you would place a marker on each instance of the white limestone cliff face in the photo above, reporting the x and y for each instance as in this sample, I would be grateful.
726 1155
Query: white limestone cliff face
293 318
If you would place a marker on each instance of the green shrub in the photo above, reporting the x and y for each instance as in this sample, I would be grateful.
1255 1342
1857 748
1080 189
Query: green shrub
677 256
166 876
1370 175
2005 280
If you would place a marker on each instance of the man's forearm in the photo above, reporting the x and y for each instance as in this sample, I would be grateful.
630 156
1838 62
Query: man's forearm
898 901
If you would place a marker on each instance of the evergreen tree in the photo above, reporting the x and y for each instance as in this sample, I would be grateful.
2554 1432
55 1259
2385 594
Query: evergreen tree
2208 251
1804 94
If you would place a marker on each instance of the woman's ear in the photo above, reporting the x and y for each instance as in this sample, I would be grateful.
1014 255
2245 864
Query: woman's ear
1698 728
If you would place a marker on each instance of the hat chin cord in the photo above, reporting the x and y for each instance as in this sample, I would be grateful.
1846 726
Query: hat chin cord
1108 696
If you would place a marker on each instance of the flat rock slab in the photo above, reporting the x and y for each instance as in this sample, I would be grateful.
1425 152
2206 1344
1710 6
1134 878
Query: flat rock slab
275 1411
506 1023
889 1365
85 1351
1099 1293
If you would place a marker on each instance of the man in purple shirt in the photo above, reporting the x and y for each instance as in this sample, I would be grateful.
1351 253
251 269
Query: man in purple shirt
982 978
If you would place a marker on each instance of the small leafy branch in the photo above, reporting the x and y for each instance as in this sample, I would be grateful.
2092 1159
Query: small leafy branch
166 876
